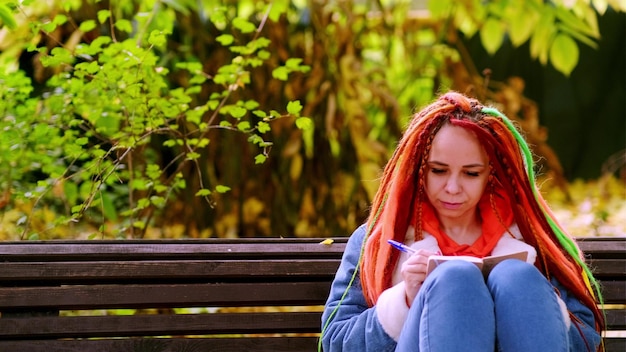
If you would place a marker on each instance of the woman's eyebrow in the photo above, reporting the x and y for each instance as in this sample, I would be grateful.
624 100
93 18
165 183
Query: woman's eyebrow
468 166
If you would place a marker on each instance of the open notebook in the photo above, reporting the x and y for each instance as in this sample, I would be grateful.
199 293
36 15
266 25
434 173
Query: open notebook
484 264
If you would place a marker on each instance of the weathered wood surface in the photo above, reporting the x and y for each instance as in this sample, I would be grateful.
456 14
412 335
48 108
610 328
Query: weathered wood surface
286 281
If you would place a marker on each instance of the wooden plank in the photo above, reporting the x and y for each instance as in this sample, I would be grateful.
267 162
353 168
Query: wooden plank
615 344
614 292
159 325
616 319
106 271
258 246
603 247
276 344
136 250
271 344
161 296
72 272
608 268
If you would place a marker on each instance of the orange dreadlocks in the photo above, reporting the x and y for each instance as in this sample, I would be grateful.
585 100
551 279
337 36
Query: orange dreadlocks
400 199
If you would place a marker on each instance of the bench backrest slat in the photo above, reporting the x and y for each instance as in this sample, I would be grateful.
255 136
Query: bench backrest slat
154 325
154 270
161 296
136 250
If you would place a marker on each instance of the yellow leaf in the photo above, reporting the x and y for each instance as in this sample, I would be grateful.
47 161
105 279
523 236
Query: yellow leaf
327 241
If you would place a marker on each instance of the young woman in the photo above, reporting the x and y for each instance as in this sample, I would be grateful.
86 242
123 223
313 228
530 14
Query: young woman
461 183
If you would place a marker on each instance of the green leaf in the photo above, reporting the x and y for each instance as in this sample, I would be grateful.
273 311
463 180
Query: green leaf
294 107
492 35
259 113
243 126
49 27
263 54
280 73
169 143
260 159
157 201
521 27
225 39
70 189
76 208
293 63
88 25
577 35
203 192
251 104
255 139
103 15
124 25
143 203
222 189
139 224
440 8
569 19
108 208
157 38
7 16
304 123
60 19
279 7
244 25
192 156
540 40
237 112
263 127
564 54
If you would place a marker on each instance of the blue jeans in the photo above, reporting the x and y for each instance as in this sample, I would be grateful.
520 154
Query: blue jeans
515 310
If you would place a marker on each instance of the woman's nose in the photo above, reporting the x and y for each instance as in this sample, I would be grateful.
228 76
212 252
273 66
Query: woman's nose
452 185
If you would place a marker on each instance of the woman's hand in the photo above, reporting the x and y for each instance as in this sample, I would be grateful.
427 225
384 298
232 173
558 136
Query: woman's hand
414 273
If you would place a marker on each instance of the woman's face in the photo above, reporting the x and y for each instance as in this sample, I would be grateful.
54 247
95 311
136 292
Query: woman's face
457 173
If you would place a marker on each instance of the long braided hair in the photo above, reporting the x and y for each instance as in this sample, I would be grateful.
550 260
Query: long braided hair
400 198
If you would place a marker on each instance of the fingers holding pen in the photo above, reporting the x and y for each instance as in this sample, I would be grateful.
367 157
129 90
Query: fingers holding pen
414 273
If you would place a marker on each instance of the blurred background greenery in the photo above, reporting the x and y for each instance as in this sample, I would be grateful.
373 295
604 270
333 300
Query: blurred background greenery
207 118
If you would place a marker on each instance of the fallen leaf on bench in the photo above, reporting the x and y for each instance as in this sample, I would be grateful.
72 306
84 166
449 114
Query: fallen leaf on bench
327 241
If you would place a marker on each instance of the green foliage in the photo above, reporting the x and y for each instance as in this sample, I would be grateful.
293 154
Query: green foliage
552 27
90 141
185 118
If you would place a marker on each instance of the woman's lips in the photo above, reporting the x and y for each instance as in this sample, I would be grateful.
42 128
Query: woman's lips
451 206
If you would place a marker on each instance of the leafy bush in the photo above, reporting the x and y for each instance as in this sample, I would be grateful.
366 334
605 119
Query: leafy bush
91 142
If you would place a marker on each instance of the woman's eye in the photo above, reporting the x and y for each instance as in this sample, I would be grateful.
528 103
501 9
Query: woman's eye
437 171
473 173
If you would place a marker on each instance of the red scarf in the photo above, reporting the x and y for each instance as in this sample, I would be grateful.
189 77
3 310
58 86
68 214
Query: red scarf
492 227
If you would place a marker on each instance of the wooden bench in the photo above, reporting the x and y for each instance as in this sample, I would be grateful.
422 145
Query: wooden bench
58 295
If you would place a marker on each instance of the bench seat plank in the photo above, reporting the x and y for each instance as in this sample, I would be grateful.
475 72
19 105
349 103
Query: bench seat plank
271 344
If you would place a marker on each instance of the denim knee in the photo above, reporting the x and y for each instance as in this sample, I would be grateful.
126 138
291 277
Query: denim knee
455 273
513 274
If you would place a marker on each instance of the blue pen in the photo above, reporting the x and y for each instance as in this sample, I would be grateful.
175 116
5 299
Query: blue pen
401 247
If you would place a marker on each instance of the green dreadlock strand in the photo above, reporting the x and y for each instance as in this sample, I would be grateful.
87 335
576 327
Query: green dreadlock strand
564 240
354 274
